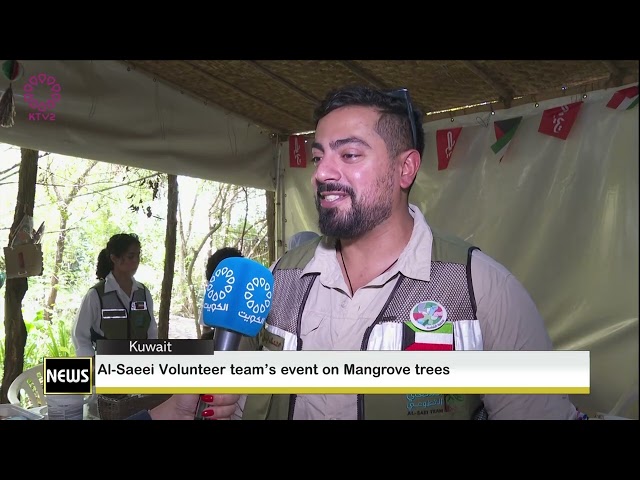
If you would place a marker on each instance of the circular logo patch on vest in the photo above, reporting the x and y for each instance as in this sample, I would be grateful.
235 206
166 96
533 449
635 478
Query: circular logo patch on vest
428 315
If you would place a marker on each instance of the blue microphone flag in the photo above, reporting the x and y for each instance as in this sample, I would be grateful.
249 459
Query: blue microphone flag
238 296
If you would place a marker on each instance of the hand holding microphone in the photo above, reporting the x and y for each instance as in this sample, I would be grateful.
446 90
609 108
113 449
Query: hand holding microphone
236 303
182 407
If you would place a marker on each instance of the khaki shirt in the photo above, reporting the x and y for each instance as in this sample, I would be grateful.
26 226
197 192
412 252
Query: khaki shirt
509 320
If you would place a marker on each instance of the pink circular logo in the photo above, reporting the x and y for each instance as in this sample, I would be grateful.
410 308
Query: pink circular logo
35 81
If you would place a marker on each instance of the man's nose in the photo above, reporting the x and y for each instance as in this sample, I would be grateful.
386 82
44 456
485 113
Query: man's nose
327 170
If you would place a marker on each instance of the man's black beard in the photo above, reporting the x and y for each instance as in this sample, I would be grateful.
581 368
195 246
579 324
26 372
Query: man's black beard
360 219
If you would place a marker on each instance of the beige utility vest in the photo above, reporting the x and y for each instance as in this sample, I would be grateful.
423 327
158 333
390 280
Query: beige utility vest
449 285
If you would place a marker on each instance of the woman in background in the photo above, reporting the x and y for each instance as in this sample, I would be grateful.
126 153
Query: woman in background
118 306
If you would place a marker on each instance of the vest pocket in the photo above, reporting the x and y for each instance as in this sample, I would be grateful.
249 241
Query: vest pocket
311 321
140 321
271 341
420 407
114 328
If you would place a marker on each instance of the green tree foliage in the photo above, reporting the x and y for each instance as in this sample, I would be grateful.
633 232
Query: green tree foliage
113 199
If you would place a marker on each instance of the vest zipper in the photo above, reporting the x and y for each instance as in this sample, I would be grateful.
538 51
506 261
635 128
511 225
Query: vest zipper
292 397
367 334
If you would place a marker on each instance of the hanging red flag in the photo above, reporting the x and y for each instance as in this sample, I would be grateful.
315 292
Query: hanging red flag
446 142
297 152
558 121
624 99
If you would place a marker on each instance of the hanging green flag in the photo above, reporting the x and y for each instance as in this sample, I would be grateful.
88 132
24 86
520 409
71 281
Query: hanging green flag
504 131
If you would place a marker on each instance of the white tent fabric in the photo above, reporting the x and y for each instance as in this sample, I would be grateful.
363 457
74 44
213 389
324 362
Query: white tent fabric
561 215
112 114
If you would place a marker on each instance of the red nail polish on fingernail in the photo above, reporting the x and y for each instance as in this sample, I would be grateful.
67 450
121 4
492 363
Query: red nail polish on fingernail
207 398
208 412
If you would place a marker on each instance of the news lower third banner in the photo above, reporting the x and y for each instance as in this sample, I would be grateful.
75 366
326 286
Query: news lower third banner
191 366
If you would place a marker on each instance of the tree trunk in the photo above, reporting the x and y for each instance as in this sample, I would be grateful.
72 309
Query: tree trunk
53 293
63 207
271 225
16 288
169 257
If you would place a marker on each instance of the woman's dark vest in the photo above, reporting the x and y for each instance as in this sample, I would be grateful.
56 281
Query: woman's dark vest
118 322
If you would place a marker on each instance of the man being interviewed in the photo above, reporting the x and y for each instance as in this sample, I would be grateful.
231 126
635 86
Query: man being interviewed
333 294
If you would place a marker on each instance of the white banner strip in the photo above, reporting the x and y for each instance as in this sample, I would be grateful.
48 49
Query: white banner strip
346 372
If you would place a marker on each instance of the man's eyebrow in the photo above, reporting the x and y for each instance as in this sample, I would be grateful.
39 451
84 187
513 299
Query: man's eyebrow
339 143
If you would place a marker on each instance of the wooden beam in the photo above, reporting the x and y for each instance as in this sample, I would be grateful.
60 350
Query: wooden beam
505 95
528 99
364 75
373 80
615 74
245 94
313 100
613 70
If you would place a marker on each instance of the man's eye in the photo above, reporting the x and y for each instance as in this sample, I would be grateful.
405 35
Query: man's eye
315 160
350 156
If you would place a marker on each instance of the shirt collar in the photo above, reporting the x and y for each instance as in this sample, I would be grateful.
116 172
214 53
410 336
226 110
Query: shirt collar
414 261
111 284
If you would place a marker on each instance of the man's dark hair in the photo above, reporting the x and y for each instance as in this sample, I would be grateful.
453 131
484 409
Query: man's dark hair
218 256
394 125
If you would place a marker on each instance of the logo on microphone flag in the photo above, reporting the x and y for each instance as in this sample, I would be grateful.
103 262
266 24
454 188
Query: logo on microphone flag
238 296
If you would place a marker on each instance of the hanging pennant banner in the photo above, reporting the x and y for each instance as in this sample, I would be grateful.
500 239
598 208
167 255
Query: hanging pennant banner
624 99
446 142
558 121
297 152
504 131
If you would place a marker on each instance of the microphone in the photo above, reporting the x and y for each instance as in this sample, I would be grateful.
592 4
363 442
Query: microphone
236 303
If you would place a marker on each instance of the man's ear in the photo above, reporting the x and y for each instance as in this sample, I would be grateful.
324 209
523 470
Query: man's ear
410 166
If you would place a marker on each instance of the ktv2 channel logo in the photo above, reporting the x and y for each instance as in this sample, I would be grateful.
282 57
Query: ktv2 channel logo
68 376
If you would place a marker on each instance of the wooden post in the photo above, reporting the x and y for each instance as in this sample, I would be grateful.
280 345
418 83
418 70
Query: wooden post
271 225
169 258
16 288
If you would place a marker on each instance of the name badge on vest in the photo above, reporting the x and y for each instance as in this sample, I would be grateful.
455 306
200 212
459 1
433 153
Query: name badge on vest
139 305
271 341
111 313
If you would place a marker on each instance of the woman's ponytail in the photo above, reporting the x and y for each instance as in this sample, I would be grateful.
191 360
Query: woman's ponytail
105 265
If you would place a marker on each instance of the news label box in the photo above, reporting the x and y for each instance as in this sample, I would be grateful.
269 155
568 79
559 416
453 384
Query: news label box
68 376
